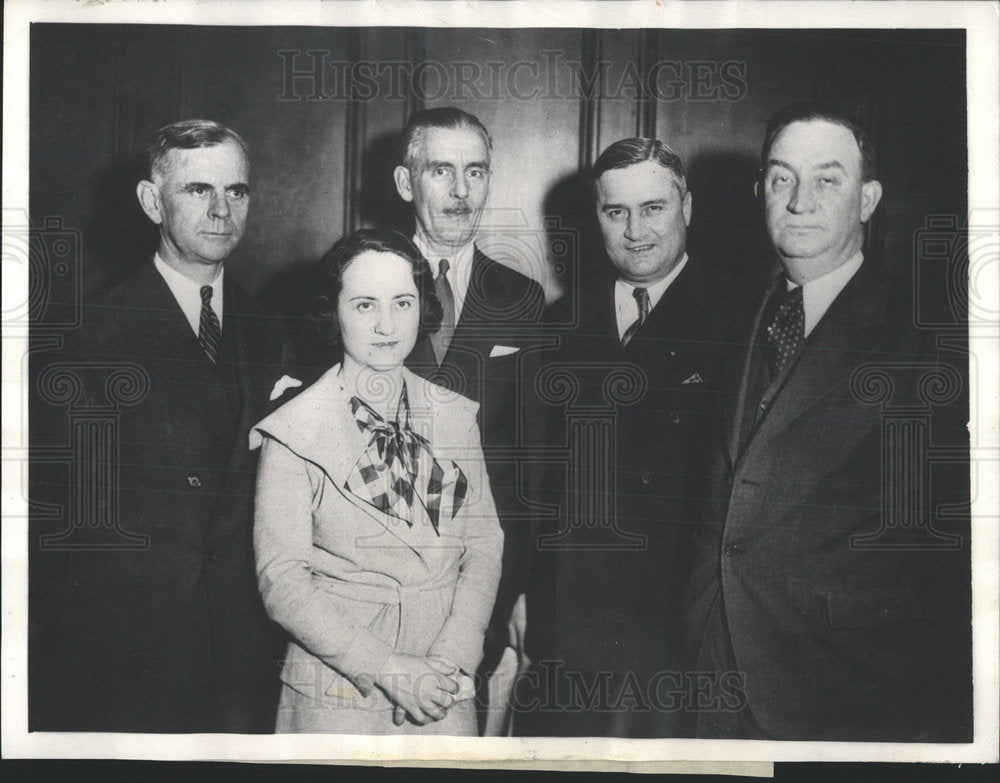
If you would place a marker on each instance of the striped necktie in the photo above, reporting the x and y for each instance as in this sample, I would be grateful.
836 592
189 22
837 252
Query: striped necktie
642 299
209 331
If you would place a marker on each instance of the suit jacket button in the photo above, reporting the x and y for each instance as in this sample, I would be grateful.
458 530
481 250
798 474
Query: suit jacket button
732 550
210 556
675 417
194 481
646 477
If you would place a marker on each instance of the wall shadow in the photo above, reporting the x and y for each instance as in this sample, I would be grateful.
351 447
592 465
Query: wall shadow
576 249
727 225
379 203
119 236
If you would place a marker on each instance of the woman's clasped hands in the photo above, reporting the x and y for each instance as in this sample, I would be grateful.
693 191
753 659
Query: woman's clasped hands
421 688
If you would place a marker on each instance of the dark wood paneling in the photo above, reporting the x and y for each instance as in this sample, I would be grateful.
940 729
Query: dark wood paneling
322 159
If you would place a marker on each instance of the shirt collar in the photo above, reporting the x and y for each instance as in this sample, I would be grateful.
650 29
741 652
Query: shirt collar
459 268
654 290
818 294
188 293
626 306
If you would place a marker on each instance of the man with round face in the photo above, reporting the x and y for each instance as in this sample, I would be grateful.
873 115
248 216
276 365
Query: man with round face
816 199
644 211
801 609
607 601
161 609
490 311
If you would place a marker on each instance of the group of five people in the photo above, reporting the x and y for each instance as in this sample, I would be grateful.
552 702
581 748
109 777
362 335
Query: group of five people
695 573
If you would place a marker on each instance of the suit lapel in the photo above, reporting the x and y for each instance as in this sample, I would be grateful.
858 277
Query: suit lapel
488 303
252 370
852 328
604 321
154 324
735 412
671 315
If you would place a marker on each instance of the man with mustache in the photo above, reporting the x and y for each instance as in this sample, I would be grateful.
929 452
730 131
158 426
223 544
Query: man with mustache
490 311
148 618
824 584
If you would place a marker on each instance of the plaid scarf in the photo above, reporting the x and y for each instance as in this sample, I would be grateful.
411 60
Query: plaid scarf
398 466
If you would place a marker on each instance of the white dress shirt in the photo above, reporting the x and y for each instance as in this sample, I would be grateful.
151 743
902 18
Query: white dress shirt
626 306
459 269
188 293
818 294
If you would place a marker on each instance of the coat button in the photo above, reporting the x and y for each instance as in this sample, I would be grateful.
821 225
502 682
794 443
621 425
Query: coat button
732 550
646 477
675 417
194 481
211 556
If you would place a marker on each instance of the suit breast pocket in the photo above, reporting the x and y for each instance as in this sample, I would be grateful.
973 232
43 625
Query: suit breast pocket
872 607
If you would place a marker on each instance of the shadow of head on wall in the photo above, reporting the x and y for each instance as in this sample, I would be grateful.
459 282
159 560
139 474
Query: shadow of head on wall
571 223
727 224
379 204
118 237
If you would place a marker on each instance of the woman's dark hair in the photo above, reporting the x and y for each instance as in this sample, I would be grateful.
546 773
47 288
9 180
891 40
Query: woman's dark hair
330 280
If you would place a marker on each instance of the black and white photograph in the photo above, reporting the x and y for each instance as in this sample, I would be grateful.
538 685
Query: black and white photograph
503 382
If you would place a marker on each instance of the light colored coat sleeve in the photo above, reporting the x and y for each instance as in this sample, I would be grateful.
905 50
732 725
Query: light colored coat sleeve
461 638
288 489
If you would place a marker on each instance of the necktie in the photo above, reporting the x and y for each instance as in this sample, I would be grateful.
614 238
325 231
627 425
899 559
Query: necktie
442 338
642 299
786 332
209 331
398 467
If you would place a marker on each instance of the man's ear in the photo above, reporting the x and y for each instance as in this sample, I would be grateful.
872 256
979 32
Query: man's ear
149 200
871 194
686 207
401 175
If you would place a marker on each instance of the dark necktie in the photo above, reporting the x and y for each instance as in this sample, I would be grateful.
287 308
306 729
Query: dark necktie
209 331
642 299
786 333
441 339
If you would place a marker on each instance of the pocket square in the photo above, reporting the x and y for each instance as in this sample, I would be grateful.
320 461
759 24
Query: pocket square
283 383
696 378
503 350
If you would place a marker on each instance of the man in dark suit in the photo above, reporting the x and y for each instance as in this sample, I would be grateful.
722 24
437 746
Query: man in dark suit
826 602
491 313
643 354
145 613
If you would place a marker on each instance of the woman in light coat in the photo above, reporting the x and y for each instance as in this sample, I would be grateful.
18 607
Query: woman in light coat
377 542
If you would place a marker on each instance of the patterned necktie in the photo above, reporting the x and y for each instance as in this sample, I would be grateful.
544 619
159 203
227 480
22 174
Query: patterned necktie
642 299
441 339
398 467
209 331
786 332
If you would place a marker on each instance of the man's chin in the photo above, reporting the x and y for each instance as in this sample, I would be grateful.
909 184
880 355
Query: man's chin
455 233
